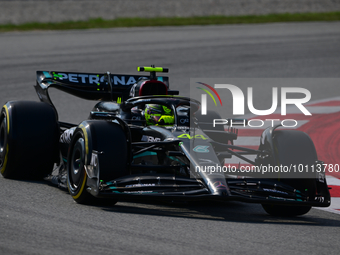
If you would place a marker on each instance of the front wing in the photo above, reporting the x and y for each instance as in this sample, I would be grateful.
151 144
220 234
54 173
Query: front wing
169 187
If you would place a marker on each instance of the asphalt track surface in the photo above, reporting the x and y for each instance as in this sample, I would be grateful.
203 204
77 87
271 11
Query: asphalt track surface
36 218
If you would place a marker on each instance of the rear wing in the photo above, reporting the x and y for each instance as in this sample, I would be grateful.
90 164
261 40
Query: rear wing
90 86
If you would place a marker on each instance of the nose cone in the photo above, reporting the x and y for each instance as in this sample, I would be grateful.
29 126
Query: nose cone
218 186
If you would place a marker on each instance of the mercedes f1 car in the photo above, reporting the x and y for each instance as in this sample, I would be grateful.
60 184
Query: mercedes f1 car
128 150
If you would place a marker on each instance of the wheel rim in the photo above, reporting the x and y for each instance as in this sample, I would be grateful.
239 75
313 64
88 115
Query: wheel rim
3 140
76 165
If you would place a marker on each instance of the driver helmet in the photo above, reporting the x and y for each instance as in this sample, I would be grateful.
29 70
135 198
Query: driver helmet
158 115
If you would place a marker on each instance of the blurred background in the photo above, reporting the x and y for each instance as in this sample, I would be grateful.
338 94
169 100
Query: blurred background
23 11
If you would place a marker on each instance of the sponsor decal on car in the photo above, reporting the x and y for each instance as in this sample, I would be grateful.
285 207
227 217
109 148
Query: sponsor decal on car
94 78
276 191
320 199
184 121
219 185
66 137
140 191
187 136
141 185
147 138
201 149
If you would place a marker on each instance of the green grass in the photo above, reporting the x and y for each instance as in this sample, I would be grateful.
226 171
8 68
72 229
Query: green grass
174 21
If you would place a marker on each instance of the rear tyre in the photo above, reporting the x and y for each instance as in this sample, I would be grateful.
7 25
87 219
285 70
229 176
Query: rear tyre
294 147
29 135
109 140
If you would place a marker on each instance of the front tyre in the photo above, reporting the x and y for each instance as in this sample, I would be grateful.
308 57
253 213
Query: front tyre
294 147
76 175
105 141
286 211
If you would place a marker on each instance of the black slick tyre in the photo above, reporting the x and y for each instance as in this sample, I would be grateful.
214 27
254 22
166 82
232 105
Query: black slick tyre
29 134
109 141
286 211
294 147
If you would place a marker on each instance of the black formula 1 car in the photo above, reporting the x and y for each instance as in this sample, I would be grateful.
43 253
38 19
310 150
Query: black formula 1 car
116 154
